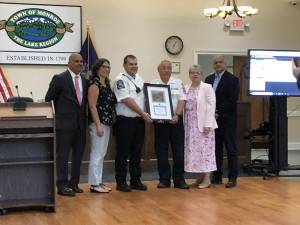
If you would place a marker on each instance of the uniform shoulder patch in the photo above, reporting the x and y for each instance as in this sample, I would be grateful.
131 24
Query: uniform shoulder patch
120 84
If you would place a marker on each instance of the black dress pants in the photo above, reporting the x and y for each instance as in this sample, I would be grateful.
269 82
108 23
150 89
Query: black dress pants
130 133
226 135
166 133
65 141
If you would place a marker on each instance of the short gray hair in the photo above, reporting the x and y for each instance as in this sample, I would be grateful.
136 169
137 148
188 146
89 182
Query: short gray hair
195 67
164 61
222 57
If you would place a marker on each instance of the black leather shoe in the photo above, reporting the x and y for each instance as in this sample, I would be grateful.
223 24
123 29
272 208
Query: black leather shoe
138 185
162 184
231 183
76 189
123 187
181 185
216 181
66 192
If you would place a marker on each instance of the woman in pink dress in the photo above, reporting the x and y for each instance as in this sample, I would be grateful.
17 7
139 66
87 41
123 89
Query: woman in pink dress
199 124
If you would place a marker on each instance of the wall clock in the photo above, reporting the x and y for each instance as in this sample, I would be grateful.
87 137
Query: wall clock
174 45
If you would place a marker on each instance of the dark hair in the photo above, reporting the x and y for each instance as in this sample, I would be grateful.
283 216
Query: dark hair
128 57
96 66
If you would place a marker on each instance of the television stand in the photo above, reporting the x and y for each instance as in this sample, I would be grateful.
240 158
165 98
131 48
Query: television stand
278 155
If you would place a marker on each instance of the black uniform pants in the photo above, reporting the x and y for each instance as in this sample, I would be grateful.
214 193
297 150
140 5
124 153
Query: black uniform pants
130 133
166 133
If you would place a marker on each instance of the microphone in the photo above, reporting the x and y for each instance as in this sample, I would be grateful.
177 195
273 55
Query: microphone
31 95
19 105
17 88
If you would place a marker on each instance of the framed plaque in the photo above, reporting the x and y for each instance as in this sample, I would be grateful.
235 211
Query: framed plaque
158 101
175 67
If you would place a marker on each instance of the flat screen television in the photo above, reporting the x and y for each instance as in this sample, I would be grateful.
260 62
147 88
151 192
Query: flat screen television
270 72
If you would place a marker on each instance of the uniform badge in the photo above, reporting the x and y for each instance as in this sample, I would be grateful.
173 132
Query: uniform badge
120 84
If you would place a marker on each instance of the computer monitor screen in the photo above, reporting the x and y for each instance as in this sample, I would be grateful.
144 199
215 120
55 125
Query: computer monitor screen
270 72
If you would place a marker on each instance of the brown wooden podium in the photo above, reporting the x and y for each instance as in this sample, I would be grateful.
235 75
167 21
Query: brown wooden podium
27 157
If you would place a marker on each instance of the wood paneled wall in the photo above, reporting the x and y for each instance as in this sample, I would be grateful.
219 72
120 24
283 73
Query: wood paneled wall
148 155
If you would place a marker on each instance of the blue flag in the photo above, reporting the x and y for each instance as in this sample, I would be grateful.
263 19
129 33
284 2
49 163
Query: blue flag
88 53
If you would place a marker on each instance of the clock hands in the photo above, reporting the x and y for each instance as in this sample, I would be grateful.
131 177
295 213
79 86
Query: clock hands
174 44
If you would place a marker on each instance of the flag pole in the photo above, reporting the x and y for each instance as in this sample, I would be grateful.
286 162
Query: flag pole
88 45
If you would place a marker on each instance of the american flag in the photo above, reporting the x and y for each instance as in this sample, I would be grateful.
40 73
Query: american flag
5 90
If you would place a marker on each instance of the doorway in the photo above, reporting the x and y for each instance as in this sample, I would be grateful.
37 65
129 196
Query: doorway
237 64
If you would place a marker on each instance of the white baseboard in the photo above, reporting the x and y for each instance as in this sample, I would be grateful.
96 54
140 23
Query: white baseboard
292 146
293 113
293 153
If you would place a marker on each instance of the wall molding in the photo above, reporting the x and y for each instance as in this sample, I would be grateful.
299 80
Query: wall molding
216 52
292 146
293 113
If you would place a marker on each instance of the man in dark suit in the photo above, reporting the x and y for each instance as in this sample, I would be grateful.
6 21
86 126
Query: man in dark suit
296 71
68 90
226 86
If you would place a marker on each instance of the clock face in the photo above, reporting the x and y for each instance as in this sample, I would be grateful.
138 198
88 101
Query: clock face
174 45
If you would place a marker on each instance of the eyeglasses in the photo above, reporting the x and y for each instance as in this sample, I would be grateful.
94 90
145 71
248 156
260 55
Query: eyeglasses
195 73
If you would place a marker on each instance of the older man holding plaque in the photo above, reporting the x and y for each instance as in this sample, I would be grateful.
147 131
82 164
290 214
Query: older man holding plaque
171 131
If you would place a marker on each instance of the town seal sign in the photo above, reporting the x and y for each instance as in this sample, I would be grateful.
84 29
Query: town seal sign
35 28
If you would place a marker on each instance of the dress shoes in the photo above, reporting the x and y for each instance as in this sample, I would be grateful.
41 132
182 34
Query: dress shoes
203 185
231 183
76 189
66 192
98 189
138 185
196 182
123 187
216 181
181 185
105 187
162 184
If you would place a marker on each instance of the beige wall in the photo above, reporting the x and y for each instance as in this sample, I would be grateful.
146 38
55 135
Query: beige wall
120 27
140 27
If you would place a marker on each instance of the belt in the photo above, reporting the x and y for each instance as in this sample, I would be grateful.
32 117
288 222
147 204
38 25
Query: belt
129 118
166 121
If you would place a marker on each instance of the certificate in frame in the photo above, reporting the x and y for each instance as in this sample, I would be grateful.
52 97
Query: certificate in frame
158 101
175 67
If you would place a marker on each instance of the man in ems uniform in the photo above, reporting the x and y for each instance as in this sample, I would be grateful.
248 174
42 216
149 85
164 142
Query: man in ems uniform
130 126
170 132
